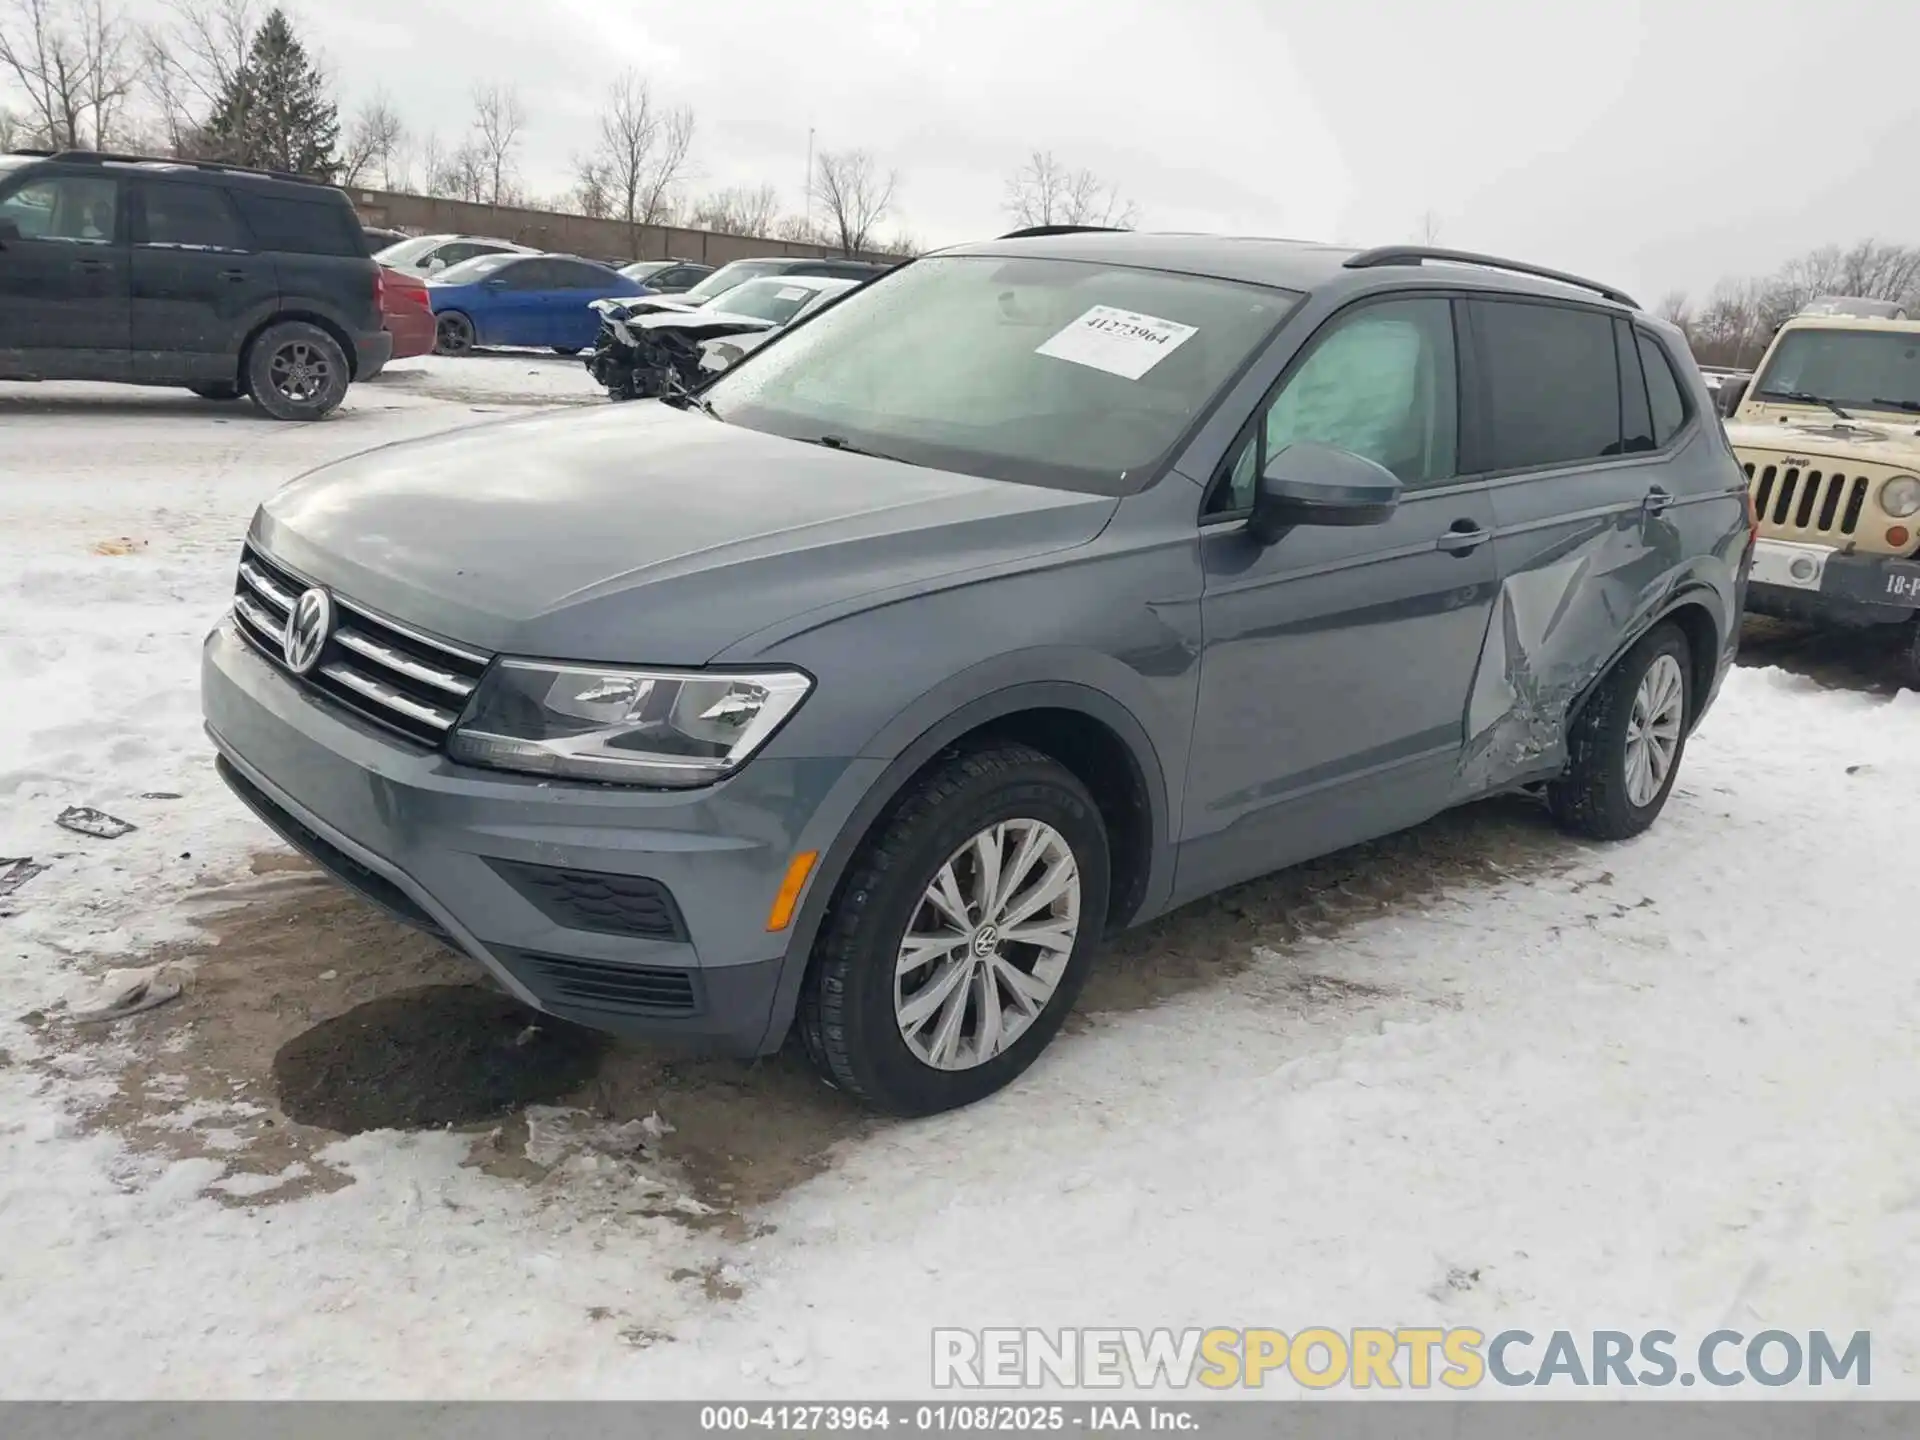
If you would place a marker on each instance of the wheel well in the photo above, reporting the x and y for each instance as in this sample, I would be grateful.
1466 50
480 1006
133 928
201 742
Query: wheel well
1100 760
1703 645
340 336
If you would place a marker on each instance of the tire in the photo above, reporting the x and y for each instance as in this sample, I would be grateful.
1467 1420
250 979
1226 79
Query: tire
568 349
452 333
1908 673
216 390
849 1022
1599 796
297 371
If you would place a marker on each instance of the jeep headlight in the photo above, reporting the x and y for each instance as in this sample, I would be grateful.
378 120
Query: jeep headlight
1900 496
674 728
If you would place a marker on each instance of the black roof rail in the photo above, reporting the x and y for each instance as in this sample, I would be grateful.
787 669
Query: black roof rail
1032 231
102 157
1416 254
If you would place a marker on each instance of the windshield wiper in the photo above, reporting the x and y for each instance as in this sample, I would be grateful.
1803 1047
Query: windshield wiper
1881 400
683 398
841 443
1806 397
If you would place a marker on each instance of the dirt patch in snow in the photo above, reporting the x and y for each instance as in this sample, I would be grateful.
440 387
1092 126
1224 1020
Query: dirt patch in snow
308 1015
1866 660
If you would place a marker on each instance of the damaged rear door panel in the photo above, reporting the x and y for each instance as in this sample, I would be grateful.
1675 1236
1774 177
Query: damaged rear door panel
1597 504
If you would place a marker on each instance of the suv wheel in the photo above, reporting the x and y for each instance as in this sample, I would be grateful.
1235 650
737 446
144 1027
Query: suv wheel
1624 748
296 371
1909 672
216 390
961 934
452 334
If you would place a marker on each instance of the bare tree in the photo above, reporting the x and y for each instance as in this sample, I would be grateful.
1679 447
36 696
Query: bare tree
855 195
801 229
1045 192
738 211
9 129
498 119
903 242
189 60
1674 308
458 174
373 139
1426 230
639 156
73 60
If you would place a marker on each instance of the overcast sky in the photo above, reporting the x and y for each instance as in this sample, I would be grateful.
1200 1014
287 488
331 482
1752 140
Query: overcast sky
1656 144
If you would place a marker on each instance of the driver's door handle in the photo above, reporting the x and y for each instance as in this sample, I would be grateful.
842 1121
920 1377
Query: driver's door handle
1463 538
1657 501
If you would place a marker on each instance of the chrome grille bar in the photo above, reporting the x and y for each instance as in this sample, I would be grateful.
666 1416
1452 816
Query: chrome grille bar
406 665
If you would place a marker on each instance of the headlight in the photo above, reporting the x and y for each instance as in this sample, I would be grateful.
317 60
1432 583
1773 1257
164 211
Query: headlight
633 727
1900 496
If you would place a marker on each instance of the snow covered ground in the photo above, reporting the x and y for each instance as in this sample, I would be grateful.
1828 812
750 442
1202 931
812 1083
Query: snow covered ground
1480 1075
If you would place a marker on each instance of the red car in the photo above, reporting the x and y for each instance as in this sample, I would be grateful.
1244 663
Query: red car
407 315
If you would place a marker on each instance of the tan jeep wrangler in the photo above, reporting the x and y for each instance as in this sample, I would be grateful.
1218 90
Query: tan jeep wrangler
1828 431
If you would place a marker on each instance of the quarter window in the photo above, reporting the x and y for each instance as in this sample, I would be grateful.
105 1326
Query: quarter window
1663 390
1378 382
1552 384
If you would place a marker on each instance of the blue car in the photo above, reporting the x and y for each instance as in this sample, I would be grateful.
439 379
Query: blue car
536 300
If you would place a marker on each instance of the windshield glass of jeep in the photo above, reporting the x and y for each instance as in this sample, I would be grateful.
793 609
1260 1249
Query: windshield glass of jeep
1077 375
1856 369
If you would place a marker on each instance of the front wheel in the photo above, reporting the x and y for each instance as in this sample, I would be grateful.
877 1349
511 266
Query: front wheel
961 935
1910 656
567 349
1624 748
297 371
216 390
452 334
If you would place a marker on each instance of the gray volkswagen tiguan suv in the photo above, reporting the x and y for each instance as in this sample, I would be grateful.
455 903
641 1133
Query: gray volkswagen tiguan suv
1038 587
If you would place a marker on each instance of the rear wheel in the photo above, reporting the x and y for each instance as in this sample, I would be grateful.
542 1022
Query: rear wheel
216 390
297 371
452 333
567 349
1624 748
961 935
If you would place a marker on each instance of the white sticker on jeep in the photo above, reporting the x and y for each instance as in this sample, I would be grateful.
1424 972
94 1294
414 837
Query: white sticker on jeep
1120 342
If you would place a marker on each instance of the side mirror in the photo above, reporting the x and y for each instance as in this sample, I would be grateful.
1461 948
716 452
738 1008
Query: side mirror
1312 484
1732 392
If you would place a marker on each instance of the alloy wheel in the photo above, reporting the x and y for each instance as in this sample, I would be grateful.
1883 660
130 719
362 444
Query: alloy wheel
1653 729
301 371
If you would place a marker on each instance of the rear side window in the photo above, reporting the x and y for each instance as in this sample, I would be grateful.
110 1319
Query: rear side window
298 226
1552 384
188 217
575 276
1669 401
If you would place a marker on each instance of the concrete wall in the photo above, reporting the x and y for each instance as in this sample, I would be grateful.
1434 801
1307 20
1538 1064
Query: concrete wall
569 234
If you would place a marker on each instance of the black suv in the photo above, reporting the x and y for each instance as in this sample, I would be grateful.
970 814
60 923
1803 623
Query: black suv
224 280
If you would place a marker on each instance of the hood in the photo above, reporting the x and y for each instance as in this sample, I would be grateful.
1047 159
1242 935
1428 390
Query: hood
643 533
705 321
1798 432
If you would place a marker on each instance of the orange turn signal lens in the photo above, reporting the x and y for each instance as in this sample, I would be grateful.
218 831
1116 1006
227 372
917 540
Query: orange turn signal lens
788 900
1898 536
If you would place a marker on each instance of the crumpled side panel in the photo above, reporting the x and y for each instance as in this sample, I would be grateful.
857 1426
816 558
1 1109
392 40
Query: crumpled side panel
1551 630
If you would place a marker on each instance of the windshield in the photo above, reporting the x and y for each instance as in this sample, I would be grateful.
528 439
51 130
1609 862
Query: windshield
468 271
728 276
1855 369
775 299
405 252
1055 372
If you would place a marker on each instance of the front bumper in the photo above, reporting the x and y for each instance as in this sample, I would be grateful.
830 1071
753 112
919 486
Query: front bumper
544 883
1793 581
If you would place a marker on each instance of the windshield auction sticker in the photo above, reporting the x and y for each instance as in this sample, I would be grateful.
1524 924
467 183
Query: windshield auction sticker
1120 342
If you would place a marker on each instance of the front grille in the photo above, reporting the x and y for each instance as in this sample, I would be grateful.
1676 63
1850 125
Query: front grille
589 900
380 670
602 985
370 885
1806 502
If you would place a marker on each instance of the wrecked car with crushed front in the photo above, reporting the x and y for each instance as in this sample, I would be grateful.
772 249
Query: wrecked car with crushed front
1034 589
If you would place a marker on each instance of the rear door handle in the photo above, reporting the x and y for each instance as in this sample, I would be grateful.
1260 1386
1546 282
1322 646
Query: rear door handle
1657 501
1463 538
92 267
236 276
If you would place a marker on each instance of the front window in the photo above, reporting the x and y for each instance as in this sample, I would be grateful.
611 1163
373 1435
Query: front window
1854 369
64 207
728 276
1054 372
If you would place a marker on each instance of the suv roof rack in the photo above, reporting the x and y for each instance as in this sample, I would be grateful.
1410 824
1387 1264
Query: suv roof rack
1416 254
1032 231
103 157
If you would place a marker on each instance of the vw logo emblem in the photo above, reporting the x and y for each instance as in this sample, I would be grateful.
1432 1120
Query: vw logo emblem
307 630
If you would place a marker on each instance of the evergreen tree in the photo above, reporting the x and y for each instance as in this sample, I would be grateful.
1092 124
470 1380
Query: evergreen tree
274 114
